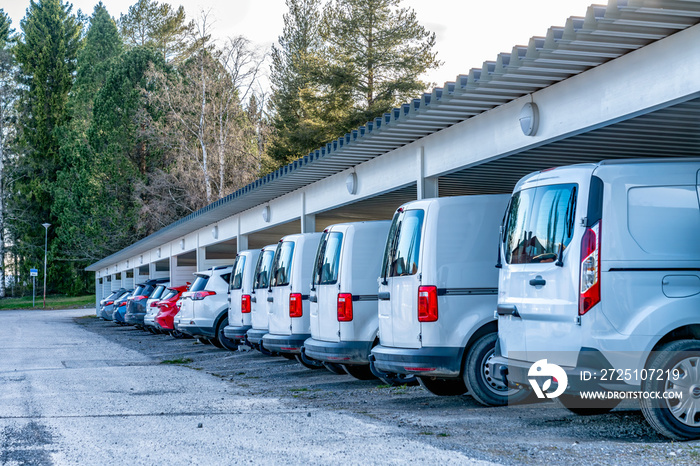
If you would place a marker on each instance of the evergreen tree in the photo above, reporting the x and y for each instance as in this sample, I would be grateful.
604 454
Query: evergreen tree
8 98
159 27
46 56
294 69
77 195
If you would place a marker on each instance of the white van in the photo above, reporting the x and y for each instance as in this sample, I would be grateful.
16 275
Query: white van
288 295
601 277
240 294
437 296
204 307
343 297
258 300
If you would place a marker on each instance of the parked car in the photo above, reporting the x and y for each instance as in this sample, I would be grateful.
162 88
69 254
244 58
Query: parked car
152 308
258 301
437 296
136 304
107 304
601 275
240 295
343 297
288 295
167 309
120 307
204 307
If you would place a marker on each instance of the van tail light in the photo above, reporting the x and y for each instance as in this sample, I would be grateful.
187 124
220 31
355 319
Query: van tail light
295 307
199 295
245 304
590 269
427 304
344 307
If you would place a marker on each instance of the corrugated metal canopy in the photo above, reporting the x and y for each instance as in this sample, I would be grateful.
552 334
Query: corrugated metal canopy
603 34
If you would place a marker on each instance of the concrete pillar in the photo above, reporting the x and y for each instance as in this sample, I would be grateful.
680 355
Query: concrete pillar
308 221
201 257
241 240
427 187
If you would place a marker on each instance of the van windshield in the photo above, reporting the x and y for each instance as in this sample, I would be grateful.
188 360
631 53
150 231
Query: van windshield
403 244
540 222
282 264
237 276
328 259
262 269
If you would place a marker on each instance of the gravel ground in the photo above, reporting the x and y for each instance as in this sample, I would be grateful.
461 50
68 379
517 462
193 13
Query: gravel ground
536 433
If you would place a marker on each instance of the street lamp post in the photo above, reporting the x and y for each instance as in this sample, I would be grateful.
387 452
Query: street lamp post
46 242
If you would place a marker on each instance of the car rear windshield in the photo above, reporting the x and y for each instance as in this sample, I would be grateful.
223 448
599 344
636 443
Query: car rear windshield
169 294
158 292
403 244
237 276
199 283
262 269
328 258
539 223
282 263
139 290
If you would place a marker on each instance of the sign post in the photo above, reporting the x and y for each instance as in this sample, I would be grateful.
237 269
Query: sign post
33 273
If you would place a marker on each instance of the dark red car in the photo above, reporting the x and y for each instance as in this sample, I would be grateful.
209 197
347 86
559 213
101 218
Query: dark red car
168 308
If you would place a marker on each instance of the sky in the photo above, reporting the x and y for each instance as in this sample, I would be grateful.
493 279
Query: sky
468 32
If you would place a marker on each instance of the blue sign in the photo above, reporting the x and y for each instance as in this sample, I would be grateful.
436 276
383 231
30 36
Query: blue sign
33 273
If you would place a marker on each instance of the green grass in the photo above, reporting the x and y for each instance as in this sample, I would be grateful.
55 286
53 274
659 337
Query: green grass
177 361
52 302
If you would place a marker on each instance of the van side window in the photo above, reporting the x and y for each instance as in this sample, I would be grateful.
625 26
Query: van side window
328 259
237 277
262 270
539 221
403 245
282 264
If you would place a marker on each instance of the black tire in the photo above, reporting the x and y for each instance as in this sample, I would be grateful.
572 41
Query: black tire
443 387
476 375
289 356
336 369
359 372
677 418
577 405
306 364
204 341
227 343
178 334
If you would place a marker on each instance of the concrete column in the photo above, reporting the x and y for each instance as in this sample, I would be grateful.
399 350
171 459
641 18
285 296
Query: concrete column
201 257
308 221
427 187
241 240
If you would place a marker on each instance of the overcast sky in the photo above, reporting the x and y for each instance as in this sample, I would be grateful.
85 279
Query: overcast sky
468 31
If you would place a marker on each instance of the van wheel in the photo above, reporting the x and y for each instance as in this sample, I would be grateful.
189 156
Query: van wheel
359 372
679 366
577 405
229 344
443 387
204 341
337 369
477 376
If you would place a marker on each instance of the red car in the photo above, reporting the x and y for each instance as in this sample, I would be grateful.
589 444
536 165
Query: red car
168 309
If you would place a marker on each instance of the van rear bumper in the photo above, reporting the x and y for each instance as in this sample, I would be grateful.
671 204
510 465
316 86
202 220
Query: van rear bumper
196 331
442 361
236 333
285 343
586 376
339 352
255 335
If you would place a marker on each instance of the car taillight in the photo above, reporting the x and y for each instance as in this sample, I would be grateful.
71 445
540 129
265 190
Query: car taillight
427 304
109 303
139 298
590 269
202 294
344 307
295 307
123 303
154 304
245 304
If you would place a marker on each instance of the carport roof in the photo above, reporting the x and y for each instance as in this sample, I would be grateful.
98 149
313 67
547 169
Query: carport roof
603 34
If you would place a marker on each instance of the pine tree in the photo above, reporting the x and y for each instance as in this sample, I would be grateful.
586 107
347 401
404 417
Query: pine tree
294 65
376 51
8 98
46 56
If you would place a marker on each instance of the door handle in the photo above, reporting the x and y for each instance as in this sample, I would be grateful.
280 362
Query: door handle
270 299
253 300
538 281
384 295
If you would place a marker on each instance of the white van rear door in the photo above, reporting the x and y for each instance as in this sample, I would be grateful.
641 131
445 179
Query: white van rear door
280 323
326 279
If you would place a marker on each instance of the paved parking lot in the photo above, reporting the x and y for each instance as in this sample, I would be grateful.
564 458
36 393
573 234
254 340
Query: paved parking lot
79 390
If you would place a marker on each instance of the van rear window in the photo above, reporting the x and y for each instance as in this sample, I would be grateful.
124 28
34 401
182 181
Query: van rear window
282 264
403 244
328 259
540 222
237 276
262 270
